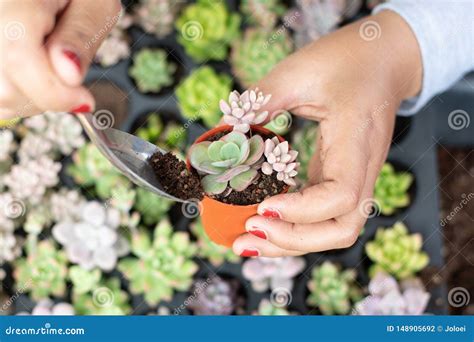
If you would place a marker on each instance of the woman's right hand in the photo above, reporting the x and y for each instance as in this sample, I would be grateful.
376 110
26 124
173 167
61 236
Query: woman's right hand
46 48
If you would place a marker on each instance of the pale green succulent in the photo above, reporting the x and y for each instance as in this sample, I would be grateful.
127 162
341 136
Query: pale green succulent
304 141
151 70
391 189
266 308
151 207
84 280
257 53
207 249
396 252
170 137
199 94
333 291
231 160
43 272
92 169
263 13
106 298
162 265
206 29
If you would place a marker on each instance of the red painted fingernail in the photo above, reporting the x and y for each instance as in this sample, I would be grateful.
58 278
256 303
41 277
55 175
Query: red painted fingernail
271 213
84 108
73 57
259 233
247 253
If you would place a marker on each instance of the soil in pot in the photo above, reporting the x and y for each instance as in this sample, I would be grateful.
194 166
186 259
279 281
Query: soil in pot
175 178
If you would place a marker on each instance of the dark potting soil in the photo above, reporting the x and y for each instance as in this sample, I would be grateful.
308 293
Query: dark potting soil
457 222
175 178
265 186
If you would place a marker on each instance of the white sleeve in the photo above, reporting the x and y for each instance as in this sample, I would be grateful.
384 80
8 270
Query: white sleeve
445 33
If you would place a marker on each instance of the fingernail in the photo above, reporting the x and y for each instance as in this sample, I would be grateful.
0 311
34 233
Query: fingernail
271 213
73 57
84 108
258 233
251 252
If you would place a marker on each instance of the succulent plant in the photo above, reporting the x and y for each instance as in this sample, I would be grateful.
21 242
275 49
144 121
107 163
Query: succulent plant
115 46
214 296
332 290
64 204
157 16
257 53
83 280
304 141
42 272
312 19
199 94
391 189
105 299
231 160
151 207
92 169
206 29
30 179
272 273
279 158
266 308
242 109
9 245
152 71
122 198
46 307
396 252
207 249
7 144
93 240
263 13
387 297
38 217
61 130
162 264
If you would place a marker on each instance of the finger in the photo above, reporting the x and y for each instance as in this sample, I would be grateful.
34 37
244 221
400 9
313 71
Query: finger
343 172
314 237
260 247
77 36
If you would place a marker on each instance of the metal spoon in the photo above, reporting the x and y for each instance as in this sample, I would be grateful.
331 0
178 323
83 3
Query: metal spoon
128 153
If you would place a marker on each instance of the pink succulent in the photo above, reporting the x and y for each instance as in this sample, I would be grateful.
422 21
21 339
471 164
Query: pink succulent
242 109
281 159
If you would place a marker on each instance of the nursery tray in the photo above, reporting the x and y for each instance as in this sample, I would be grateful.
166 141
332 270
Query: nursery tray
413 149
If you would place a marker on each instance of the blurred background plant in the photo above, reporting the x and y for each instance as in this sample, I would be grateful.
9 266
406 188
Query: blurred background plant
391 190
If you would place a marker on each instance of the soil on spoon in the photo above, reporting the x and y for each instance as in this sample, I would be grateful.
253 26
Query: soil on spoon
175 178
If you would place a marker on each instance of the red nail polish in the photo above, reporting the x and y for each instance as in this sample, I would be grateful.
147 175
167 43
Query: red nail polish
84 108
73 57
259 233
247 253
271 213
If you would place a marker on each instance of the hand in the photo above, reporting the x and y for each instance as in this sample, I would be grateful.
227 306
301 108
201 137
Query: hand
352 86
46 48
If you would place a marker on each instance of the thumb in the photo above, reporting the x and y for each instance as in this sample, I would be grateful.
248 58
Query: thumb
82 27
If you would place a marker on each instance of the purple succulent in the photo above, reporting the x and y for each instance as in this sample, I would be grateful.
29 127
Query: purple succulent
281 159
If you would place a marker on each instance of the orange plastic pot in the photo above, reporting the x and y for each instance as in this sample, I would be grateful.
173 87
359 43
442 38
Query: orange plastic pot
225 222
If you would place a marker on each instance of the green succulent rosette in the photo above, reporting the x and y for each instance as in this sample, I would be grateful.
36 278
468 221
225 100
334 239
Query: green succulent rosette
396 252
391 189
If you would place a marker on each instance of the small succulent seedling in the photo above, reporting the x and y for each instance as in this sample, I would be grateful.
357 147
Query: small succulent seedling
242 109
232 160
281 159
